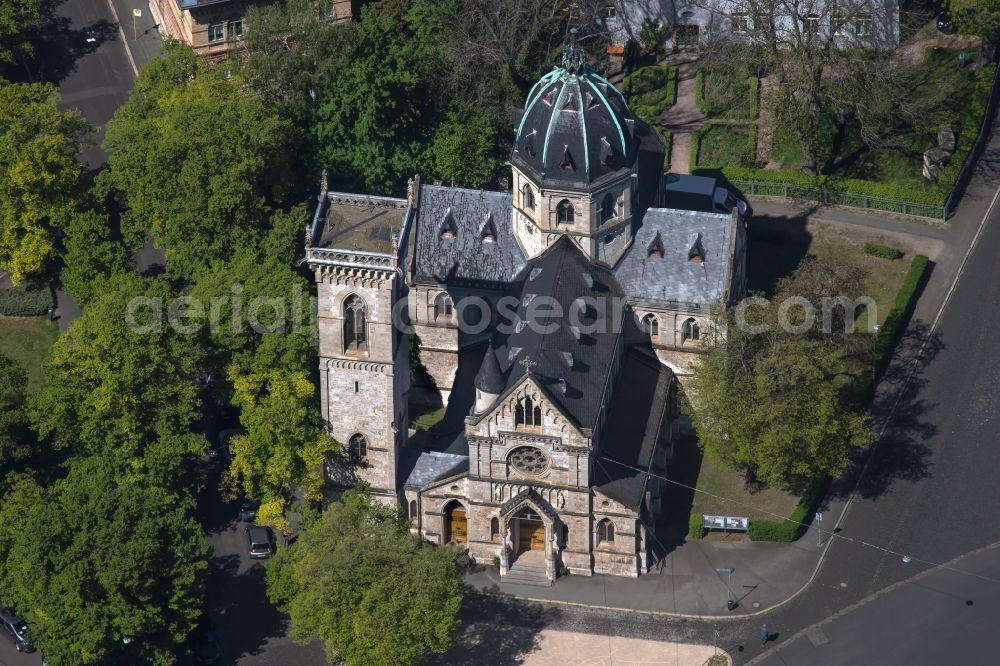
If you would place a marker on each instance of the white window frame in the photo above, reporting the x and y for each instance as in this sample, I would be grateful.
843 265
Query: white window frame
212 27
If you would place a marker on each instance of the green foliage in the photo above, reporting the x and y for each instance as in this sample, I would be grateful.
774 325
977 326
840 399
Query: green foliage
92 256
883 251
374 593
652 36
727 92
668 143
40 175
651 90
91 561
770 399
463 150
124 384
715 145
15 18
15 434
895 322
696 526
976 17
25 300
201 161
631 53
790 530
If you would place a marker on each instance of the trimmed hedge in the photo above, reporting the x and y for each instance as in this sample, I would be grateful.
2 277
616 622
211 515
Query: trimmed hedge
883 251
651 90
699 97
696 527
749 153
809 187
25 300
792 528
668 142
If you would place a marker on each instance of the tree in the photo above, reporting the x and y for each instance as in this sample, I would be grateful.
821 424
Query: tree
92 256
15 18
200 160
40 175
977 17
14 427
104 572
374 593
124 383
463 151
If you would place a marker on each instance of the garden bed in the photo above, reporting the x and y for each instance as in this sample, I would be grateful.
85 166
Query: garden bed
727 92
716 145
651 90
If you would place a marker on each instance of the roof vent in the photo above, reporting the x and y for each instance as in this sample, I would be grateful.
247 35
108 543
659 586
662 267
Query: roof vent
655 249
576 332
562 386
592 101
513 352
535 272
489 232
608 155
589 279
448 228
529 143
568 358
519 326
527 299
550 96
696 255
567 160
570 104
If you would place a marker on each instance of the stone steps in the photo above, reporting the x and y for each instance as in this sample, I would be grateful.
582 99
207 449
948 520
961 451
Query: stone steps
527 574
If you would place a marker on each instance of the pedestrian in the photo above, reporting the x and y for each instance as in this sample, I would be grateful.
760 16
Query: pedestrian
765 636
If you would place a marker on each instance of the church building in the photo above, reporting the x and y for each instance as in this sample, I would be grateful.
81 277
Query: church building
554 320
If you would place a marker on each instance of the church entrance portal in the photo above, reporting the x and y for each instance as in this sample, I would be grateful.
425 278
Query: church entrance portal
530 531
456 524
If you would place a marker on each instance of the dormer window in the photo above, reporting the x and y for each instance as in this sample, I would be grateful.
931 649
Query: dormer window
567 160
448 228
564 212
489 231
655 249
696 255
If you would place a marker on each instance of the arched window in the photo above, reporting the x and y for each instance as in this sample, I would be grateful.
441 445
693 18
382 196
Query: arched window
442 307
527 413
607 207
527 197
355 325
357 449
651 325
605 532
413 509
690 330
494 529
564 212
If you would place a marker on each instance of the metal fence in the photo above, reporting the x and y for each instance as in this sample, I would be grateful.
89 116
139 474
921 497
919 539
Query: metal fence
977 148
838 198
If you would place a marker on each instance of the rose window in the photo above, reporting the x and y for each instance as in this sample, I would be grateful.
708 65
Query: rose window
528 460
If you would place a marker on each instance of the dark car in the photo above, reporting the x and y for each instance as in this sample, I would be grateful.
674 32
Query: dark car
204 645
16 629
944 24
248 510
259 542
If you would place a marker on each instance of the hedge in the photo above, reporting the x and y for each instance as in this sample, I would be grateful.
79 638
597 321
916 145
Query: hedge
750 153
696 526
791 529
668 143
25 300
651 90
883 251
937 196
699 94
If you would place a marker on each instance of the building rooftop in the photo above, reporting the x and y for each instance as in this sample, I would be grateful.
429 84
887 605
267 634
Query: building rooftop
678 256
359 223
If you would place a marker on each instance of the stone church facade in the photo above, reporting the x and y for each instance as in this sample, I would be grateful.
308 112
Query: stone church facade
545 318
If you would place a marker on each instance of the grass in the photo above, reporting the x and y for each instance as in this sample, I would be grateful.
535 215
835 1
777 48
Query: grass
724 145
726 92
651 90
28 340
719 479
425 408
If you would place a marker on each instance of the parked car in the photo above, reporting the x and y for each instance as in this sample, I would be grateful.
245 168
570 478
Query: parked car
16 629
203 644
248 510
259 542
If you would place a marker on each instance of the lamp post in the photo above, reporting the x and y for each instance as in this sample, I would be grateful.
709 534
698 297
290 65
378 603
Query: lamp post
730 602
875 328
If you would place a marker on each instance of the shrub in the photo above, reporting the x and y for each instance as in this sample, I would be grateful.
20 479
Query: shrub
668 143
651 90
746 154
25 300
883 251
727 92
791 529
696 526
895 322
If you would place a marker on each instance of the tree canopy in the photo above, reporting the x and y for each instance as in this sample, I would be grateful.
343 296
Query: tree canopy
40 175
14 426
15 18
200 161
372 591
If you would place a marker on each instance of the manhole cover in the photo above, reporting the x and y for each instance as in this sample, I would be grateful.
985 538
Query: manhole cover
843 584
756 604
817 637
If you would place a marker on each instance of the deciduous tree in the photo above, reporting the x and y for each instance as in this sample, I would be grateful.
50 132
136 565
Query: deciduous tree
15 18
14 428
374 593
92 256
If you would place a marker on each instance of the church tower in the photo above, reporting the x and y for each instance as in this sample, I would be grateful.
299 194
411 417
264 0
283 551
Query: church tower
356 247
575 163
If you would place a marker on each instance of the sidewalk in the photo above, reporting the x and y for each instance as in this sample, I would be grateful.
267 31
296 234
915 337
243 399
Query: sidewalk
683 118
142 43
765 575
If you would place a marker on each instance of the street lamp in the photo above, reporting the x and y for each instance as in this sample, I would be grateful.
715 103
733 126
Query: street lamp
730 602
875 328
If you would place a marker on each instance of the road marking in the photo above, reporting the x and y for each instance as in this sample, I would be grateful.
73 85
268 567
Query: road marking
121 33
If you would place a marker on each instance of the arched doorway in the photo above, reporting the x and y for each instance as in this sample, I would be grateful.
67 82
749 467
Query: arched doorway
456 524
530 531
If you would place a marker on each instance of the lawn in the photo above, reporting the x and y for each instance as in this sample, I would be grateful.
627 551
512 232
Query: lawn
651 90
724 145
718 479
425 408
28 340
726 92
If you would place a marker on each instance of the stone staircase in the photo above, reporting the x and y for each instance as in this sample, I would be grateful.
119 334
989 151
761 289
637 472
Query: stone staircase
527 570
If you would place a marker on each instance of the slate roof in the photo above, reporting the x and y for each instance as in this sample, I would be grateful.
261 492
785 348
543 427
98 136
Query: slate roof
465 257
571 365
576 129
632 427
490 378
428 466
675 279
